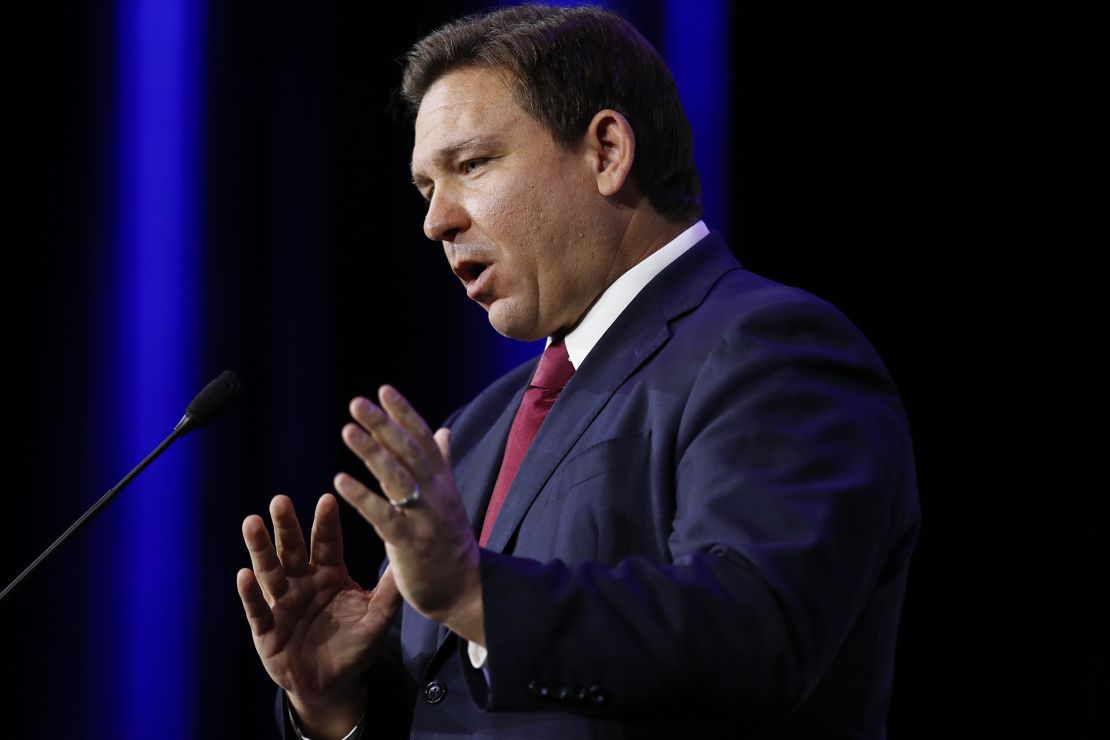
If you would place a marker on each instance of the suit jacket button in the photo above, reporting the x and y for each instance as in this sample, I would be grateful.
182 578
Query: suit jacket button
596 694
565 692
434 692
538 688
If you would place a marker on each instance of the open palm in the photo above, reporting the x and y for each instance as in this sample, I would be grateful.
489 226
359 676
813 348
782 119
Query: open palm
314 627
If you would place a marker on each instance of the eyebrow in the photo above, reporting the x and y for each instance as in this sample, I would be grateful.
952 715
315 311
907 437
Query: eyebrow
449 152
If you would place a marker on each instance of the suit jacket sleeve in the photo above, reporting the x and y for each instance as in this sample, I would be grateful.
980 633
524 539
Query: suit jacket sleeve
794 506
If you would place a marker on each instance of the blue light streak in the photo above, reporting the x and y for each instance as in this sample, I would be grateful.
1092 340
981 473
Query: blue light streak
697 48
158 283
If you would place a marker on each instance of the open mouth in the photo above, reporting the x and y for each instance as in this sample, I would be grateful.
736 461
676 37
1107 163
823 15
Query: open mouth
469 271
474 270
475 276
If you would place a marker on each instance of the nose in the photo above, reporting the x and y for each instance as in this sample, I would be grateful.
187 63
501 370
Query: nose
446 217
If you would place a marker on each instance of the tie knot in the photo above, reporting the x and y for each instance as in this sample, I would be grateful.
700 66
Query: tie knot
554 369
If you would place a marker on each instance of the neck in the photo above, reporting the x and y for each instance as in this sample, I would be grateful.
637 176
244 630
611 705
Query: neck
645 233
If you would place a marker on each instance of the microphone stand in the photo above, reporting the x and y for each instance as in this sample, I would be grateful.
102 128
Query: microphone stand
212 401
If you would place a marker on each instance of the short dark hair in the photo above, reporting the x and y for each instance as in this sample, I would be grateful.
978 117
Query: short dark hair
568 64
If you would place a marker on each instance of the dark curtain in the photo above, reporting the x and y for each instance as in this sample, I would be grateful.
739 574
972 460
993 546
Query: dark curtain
851 175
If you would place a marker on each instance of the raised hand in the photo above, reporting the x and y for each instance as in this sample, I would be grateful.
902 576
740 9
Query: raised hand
421 519
314 627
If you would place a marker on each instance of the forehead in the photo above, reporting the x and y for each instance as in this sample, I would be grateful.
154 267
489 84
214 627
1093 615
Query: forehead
463 108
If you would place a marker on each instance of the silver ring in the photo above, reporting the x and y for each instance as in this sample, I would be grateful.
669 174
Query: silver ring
407 501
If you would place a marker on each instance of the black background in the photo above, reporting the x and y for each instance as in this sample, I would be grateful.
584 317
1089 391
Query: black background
861 168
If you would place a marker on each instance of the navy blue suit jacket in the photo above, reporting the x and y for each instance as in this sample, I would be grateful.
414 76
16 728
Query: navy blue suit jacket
708 537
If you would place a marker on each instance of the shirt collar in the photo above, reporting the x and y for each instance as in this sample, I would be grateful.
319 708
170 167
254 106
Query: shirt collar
611 303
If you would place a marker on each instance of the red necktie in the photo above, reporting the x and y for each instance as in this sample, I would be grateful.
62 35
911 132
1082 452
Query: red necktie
549 379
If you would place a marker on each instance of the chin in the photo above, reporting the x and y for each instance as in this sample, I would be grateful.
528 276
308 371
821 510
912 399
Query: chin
508 325
515 333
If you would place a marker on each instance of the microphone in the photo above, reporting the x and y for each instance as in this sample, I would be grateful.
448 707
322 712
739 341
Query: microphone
206 406
210 403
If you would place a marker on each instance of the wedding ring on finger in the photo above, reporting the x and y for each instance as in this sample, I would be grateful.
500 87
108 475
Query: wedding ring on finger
407 501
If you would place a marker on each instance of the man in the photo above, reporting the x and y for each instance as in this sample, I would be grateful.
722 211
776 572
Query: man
692 517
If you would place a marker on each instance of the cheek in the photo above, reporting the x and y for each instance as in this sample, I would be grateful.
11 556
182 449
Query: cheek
511 204
511 214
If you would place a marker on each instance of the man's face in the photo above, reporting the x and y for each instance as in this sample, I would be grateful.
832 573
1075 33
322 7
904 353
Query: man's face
517 213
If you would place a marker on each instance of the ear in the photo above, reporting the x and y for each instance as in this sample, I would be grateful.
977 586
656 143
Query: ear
611 145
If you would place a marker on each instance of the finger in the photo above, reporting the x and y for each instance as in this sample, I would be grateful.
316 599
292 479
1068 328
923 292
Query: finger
288 536
398 407
264 559
388 522
259 615
393 436
443 442
327 534
396 480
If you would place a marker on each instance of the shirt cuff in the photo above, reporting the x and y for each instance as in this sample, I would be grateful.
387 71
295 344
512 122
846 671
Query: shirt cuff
302 736
478 658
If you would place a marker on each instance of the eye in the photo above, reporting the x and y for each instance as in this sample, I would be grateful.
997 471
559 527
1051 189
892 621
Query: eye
471 165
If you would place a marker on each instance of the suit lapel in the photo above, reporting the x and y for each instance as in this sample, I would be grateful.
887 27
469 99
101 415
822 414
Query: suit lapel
475 482
638 333
578 405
